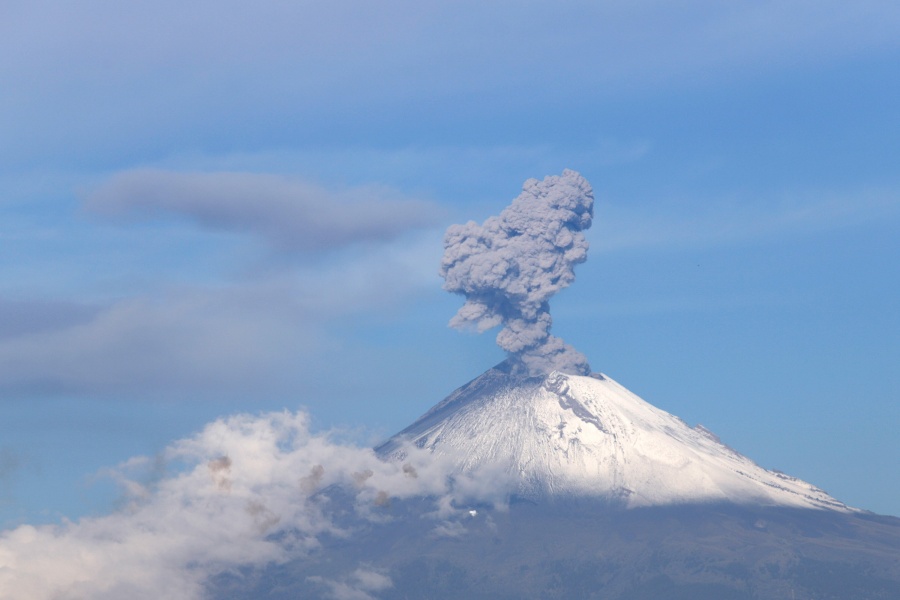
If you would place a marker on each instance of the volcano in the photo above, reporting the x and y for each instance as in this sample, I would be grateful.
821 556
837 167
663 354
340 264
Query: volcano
540 480
569 436
606 496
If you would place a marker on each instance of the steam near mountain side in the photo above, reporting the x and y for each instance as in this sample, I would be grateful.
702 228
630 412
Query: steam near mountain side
509 267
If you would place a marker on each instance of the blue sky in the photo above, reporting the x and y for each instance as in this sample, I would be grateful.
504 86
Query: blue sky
212 208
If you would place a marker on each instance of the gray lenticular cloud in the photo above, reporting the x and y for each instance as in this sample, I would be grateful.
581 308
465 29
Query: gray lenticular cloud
510 266
293 215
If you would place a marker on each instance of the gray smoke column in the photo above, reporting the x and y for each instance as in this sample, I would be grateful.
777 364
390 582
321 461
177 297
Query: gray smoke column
510 266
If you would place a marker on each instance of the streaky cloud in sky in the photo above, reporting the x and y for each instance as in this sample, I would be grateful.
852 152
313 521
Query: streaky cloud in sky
293 215
27 317
10 462
241 337
184 340
403 51
737 219
509 267
359 585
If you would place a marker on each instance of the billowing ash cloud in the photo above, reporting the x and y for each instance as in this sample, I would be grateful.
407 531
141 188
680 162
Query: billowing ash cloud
510 266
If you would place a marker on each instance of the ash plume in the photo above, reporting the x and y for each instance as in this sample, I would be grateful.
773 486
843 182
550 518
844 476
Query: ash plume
509 267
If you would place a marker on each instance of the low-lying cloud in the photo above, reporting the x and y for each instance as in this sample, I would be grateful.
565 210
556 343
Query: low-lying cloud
246 491
292 215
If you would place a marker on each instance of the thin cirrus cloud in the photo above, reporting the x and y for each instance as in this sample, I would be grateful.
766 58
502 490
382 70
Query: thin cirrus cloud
292 215
342 42
690 224
239 337
185 341
178 72
10 462
28 317
361 584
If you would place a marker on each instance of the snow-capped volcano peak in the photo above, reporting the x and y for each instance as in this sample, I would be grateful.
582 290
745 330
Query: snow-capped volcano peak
578 436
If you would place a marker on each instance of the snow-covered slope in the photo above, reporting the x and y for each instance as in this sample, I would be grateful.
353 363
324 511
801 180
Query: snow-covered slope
574 436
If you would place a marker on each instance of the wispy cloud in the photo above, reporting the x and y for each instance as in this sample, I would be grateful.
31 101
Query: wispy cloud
10 462
292 71
28 317
650 37
359 585
291 214
185 342
464 172
690 224
250 336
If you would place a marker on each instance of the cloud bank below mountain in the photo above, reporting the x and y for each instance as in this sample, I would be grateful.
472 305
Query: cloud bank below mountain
244 491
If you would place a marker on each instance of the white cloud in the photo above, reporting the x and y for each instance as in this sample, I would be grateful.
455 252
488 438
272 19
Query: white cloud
245 491
359 585
291 214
